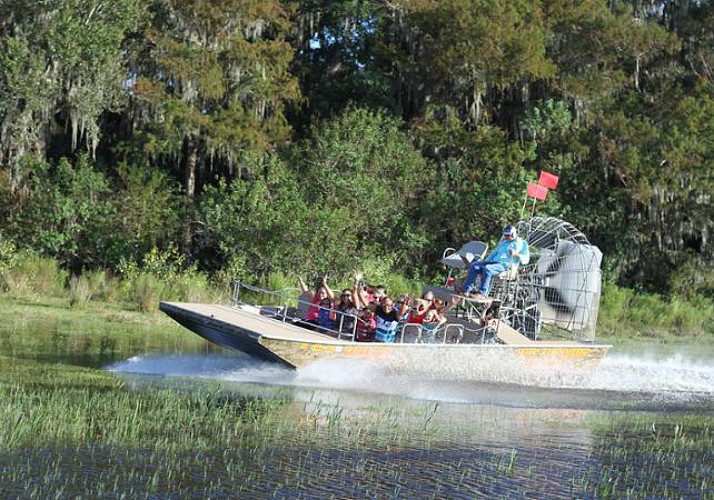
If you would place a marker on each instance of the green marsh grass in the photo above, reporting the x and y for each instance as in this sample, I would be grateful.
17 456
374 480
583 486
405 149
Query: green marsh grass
89 409
211 441
625 313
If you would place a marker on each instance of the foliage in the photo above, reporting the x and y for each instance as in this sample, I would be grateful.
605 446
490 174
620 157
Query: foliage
79 292
7 254
163 275
363 180
60 59
213 81
624 312
254 226
150 212
67 214
309 136
480 186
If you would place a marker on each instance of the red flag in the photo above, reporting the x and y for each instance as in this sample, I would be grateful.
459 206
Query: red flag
536 191
548 180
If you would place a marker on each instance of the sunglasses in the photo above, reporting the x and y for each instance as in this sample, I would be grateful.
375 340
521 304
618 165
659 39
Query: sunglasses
347 295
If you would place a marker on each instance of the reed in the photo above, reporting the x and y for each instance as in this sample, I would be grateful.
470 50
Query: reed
143 290
79 291
31 275
70 406
209 442
97 329
625 313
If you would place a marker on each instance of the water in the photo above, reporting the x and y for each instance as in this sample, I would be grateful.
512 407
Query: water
641 427
621 382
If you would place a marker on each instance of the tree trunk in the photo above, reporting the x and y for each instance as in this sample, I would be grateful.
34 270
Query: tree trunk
191 165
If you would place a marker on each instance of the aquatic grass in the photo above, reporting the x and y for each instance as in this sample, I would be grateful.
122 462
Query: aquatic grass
35 330
84 407
664 453
178 438
273 458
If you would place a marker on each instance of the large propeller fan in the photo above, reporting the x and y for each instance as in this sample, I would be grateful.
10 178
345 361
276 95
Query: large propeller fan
561 284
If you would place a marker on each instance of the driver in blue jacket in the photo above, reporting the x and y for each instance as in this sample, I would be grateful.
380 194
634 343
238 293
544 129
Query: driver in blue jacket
510 250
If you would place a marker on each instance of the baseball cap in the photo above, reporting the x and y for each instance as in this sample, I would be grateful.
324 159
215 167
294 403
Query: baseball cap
509 230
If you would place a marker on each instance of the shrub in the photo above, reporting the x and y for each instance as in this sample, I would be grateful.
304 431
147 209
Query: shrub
144 290
32 274
79 291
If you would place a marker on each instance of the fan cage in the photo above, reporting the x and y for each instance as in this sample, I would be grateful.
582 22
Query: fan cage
557 293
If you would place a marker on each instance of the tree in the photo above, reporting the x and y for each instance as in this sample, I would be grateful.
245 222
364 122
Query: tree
62 63
361 167
68 213
339 58
212 80
259 224
457 52
480 183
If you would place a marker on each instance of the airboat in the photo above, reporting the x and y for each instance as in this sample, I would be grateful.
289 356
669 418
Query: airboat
538 322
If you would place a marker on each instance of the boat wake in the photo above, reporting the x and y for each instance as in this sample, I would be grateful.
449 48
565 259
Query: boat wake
212 366
621 381
674 373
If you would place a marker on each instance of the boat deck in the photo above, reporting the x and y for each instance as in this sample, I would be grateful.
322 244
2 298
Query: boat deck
252 321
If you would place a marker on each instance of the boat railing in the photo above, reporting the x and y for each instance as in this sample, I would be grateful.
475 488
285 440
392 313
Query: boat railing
288 303
414 333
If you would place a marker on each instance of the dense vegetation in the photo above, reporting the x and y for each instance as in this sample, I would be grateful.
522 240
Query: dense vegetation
254 137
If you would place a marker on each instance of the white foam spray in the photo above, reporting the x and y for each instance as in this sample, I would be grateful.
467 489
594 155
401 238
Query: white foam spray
651 373
650 379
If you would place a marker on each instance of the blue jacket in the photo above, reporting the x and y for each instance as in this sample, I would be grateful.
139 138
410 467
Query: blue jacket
502 255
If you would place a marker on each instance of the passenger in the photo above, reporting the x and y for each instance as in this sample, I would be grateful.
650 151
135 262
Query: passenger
510 250
433 302
347 310
387 320
418 312
322 291
429 297
365 326
403 308
326 315
379 293
364 292
432 321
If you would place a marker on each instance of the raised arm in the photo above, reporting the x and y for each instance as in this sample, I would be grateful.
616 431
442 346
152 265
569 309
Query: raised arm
359 293
329 291
356 296
305 289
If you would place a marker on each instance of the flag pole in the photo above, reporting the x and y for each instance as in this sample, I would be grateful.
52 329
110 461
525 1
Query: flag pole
525 202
